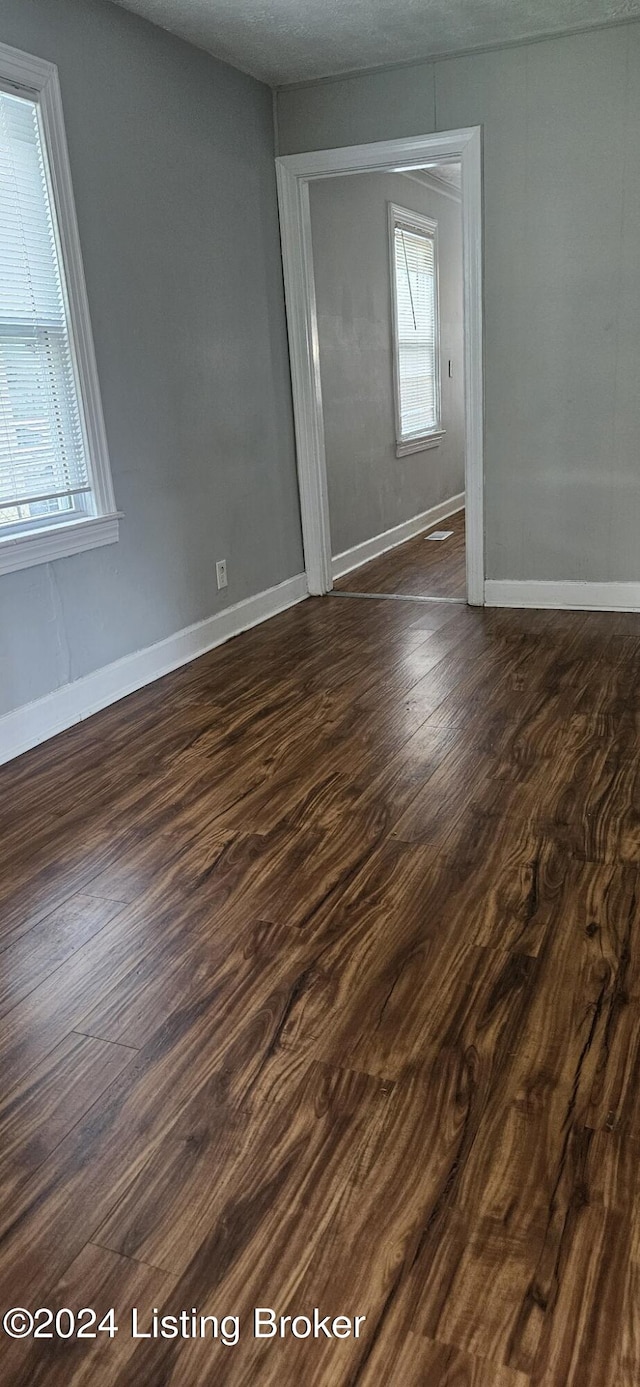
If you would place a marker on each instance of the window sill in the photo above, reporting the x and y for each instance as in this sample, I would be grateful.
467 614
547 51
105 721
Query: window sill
417 445
57 542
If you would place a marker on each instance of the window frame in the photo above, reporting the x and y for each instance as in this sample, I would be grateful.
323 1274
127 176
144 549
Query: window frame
422 226
37 80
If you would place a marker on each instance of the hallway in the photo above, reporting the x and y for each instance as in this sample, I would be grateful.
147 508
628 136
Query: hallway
419 568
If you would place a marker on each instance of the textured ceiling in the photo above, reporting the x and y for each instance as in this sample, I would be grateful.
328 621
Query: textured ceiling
445 173
284 41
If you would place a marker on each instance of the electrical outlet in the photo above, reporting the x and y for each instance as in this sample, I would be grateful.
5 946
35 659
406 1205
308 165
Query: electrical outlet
221 573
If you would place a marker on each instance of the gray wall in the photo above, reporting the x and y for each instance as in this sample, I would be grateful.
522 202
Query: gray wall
370 489
172 163
562 279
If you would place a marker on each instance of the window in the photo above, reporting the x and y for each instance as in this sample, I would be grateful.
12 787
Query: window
55 485
414 264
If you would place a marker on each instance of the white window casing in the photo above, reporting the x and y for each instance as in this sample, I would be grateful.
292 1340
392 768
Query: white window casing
56 493
416 335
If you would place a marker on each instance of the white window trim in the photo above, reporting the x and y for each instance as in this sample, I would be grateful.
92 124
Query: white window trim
34 77
424 225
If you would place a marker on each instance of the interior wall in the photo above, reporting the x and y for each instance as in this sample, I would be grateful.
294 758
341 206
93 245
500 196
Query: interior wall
370 489
561 158
172 164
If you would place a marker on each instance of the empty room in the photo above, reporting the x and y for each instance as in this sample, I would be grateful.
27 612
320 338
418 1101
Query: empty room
319 709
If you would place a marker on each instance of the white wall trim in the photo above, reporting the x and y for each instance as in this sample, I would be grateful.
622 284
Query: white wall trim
380 544
570 596
420 445
294 173
56 541
33 723
38 79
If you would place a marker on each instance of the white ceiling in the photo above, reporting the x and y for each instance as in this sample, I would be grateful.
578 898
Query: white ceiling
284 41
446 173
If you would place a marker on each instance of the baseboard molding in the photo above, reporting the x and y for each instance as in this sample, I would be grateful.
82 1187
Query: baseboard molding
380 544
34 723
570 596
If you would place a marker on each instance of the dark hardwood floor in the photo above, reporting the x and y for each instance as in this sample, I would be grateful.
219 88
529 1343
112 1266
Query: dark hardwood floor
420 568
320 987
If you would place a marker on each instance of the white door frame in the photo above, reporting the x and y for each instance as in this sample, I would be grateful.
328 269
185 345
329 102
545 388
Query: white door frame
294 174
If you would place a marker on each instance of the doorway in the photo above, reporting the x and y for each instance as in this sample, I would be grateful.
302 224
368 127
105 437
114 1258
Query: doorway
387 262
403 565
431 567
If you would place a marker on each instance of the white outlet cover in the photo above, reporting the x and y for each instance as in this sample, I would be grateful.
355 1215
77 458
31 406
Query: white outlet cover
440 534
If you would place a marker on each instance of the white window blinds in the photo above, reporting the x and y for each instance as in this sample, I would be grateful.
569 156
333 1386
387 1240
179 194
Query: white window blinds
44 473
416 328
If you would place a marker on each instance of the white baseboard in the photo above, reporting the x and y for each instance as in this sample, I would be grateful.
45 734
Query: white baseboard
570 596
380 544
33 723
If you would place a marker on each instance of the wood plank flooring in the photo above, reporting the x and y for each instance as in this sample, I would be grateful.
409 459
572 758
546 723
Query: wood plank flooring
320 987
419 568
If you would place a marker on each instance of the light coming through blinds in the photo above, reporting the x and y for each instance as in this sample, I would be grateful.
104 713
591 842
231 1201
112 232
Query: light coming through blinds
43 461
415 279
